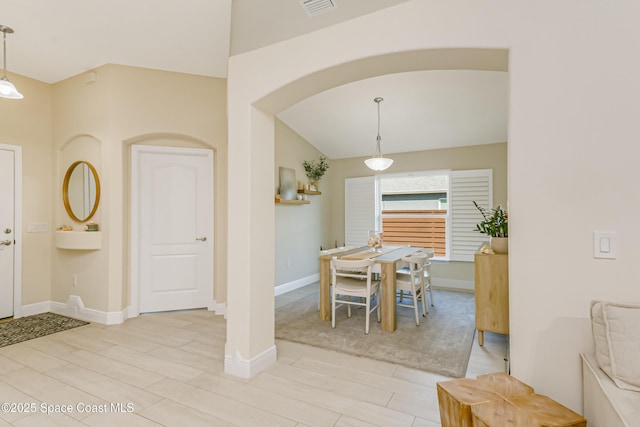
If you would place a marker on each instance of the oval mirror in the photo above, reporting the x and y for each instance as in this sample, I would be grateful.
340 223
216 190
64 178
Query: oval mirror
81 191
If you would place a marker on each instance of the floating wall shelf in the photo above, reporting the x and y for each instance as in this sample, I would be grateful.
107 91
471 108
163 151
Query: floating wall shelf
79 240
292 202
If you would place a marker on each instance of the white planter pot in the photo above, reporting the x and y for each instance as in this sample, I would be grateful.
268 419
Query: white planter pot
500 245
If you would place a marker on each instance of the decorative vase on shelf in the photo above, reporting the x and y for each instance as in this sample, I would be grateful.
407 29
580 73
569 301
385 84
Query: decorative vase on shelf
315 170
500 245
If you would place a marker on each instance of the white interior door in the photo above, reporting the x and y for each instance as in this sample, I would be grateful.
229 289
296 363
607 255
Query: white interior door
175 194
7 226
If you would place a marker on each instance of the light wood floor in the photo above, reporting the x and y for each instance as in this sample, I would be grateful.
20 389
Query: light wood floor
168 370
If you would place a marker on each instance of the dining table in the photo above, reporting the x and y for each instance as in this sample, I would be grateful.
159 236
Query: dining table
385 264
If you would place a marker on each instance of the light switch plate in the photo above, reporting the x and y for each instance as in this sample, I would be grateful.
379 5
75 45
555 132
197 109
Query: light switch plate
604 244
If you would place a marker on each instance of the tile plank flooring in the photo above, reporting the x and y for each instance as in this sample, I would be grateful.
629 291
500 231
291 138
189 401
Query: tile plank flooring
167 369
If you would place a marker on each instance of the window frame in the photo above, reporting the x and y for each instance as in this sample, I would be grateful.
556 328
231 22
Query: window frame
458 248
446 216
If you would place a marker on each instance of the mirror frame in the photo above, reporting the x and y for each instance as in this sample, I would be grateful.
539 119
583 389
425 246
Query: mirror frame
65 191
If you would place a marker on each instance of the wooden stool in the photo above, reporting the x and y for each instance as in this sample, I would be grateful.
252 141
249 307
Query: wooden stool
457 397
533 410
504 385
499 399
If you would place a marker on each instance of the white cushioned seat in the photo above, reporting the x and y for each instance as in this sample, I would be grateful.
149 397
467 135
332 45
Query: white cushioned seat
606 404
616 334
611 377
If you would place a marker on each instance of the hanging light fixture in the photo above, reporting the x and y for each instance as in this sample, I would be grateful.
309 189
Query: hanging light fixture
377 162
7 89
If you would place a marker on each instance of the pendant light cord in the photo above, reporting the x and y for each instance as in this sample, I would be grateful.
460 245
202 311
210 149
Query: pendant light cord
378 100
378 118
4 54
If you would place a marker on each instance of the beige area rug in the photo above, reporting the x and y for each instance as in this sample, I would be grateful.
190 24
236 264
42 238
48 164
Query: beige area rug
441 344
38 325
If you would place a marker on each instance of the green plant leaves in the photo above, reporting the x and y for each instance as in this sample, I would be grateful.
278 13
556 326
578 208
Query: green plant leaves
315 170
495 223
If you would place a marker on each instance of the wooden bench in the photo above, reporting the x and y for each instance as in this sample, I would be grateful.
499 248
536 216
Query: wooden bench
498 399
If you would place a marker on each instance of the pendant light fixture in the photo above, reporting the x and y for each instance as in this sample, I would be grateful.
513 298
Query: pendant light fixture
7 89
377 162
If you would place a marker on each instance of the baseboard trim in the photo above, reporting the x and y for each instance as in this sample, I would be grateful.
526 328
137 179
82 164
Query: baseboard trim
296 284
463 285
442 283
238 366
74 307
31 309
220 309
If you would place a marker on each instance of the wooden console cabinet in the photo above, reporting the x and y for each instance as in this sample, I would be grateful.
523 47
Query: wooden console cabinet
491 294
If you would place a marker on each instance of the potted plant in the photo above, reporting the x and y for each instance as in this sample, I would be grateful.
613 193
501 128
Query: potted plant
315 170
495 224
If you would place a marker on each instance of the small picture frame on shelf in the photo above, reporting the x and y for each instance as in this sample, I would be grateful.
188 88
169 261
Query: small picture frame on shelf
288 184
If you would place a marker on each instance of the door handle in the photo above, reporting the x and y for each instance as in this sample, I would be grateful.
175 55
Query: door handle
5 242
202 239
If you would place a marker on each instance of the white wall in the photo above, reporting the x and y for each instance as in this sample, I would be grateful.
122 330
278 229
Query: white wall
27 123
300 230
572 139
98 121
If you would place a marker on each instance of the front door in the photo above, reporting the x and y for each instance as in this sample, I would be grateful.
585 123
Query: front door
174 192
7 227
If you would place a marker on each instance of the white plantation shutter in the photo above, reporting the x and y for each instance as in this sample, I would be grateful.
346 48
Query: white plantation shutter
466 187
360 209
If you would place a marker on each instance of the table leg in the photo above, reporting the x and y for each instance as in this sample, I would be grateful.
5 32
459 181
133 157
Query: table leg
388 299
325 294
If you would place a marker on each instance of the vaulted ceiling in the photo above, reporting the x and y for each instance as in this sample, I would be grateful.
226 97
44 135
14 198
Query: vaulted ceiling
55 40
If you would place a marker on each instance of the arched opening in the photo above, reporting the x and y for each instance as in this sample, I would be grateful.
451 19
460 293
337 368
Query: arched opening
257 142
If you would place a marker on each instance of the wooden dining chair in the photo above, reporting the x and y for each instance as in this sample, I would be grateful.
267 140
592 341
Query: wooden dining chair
404 269
353 278
413 283
427 274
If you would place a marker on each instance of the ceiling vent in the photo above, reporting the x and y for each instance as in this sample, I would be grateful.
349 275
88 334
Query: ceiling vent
316 7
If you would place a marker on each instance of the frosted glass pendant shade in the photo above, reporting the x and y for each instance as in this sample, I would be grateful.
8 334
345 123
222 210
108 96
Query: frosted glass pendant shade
378 163
8 90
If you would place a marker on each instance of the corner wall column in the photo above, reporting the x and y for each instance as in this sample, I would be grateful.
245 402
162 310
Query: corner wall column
250 346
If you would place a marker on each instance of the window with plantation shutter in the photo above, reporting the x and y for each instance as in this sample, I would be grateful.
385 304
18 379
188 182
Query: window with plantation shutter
466 187
414 209
360 209
454 214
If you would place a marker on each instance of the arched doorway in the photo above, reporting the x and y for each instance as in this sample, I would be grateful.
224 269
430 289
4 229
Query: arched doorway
250 343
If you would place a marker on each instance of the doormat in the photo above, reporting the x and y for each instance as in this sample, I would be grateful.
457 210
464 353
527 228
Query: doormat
38 325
